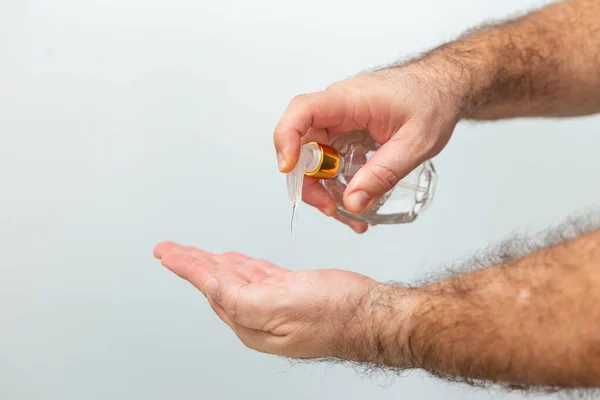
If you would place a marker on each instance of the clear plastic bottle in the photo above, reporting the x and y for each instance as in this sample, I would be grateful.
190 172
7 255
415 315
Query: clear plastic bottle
337 163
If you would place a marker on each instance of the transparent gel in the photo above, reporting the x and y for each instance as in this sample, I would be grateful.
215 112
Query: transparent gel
309 157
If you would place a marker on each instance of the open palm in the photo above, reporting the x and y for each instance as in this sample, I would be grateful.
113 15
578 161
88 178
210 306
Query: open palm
304 314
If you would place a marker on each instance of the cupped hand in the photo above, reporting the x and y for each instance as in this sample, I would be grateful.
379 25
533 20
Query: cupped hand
410 111
305 314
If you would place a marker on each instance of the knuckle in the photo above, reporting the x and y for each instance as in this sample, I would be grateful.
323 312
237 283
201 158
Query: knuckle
299 100
345 88
383 176
336 86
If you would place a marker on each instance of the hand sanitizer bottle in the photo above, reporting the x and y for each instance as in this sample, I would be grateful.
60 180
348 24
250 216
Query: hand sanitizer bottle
337 163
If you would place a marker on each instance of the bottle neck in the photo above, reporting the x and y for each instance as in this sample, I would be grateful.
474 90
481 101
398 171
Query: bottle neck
323 162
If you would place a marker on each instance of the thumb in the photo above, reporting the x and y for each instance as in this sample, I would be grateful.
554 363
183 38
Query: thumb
401 154
224 287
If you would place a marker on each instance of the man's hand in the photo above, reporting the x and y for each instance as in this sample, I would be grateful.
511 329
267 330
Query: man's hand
542 64
528 320
411 111
306 314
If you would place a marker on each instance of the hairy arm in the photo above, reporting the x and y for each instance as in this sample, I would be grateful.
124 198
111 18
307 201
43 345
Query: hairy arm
533 321
546 63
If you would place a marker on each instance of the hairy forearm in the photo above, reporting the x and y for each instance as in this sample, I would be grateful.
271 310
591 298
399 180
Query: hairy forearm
534 321
546 63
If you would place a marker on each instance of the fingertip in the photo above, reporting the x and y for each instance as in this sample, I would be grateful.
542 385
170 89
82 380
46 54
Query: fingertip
329 210
164 247
291 157
286 161
281 161
360 227
356 226
287 147
357 201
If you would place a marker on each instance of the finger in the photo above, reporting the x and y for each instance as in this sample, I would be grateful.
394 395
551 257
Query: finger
195 269
315 135
356 226
253 269
196 252
317 110
314 194
233 257
391 162
164 247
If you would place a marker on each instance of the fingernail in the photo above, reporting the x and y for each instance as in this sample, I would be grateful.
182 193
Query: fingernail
359 200
280 160
212 289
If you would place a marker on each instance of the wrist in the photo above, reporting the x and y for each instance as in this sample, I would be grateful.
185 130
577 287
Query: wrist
391 312
460 80
464 71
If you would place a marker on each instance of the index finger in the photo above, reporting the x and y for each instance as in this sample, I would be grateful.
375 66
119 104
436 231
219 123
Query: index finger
325 109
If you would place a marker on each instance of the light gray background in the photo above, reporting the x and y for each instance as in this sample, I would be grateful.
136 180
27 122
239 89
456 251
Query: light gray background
126 122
